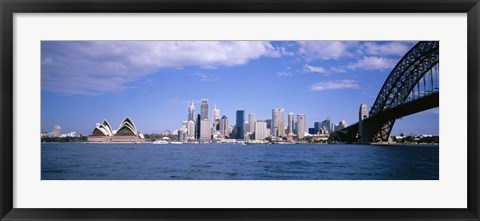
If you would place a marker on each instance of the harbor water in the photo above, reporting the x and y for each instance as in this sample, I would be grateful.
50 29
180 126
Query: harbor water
79 161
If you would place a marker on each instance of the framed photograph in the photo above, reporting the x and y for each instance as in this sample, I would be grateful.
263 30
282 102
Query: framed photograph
239 110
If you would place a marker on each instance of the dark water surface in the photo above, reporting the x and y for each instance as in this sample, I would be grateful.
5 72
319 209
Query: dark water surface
66 161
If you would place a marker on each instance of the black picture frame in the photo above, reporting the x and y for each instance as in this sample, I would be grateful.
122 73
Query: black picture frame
9 7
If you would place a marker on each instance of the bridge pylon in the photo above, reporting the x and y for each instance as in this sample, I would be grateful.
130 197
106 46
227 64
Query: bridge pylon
362 126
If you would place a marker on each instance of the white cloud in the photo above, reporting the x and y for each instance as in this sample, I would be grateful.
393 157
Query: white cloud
389 48
334 85
160 54
200 75
284 74
204 77
323 50
97 67
285 51
376 55
373 63
315 69
338 69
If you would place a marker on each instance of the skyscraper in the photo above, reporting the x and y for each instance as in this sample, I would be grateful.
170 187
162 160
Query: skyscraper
216 113
197 127
191 112
327 125
240 127
317 127
278 122
224 126
260 130
269 123
290 124
57 130
205 130
182 134
341 125
251 122
301 125
191 130
204 109
216 118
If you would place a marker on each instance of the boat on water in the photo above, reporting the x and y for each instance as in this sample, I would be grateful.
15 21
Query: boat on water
160 142
252 142
175 142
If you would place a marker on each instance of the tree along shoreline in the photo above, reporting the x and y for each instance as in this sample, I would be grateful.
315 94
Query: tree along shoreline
80 139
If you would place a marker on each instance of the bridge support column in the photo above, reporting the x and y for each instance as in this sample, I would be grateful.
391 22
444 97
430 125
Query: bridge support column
362 130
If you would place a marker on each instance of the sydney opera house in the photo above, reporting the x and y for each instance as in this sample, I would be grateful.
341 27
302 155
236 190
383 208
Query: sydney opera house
126 133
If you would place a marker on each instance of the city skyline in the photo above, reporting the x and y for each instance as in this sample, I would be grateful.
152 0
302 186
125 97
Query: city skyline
301 77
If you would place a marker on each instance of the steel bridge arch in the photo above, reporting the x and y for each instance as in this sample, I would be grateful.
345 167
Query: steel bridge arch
413 66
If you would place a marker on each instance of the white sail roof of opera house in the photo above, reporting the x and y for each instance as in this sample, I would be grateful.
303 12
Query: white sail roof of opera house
103 128
127 127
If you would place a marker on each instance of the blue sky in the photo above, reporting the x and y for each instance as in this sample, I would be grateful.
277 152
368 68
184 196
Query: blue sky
84 82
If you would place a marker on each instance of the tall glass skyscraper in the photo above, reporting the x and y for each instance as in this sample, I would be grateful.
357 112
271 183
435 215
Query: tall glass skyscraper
260 130
290 124
205 130
251 122
191 112
317 127
197 127
191 130
216 113
240 126
216 118
204 109
269 123
278 122
327 125
224 125
301 125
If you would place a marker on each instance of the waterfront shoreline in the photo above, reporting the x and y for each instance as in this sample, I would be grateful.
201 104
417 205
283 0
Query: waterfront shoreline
329 144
